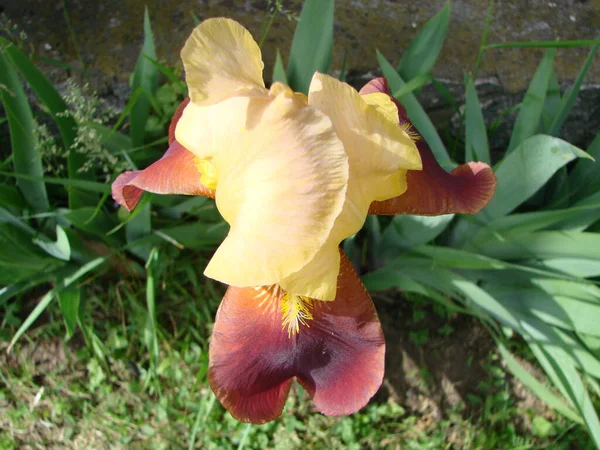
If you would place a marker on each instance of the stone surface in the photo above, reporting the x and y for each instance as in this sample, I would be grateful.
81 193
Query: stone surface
108 36
108 33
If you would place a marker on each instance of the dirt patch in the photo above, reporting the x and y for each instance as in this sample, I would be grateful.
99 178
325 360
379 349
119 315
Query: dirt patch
437 362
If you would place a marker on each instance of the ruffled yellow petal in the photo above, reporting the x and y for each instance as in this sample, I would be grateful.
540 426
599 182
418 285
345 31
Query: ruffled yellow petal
379 153
204 130
281 184
221 59
384 105
318 278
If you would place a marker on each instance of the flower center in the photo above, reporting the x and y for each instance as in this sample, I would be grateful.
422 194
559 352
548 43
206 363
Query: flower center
208 172
295 310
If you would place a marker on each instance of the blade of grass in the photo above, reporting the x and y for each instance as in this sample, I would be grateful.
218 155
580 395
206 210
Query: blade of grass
279 70
150 329
545 44
532 106
422 52
414 84
27 159
145 76
535 386
569 98
344 69
65 282
57 107
484 36
68 300
91 186
476 140
416 113
312 43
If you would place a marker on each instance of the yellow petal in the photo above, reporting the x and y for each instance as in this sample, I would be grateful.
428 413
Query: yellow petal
281 184
379 154
317 279
384 105
205 129
221 59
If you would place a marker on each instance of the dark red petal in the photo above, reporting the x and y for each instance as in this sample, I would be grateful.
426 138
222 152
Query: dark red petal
176 118
251 362
339 358
432 191
174 173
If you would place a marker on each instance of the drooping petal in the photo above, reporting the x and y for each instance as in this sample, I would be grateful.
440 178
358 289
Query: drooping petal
221 59
281 182
433 191
338 357
175 173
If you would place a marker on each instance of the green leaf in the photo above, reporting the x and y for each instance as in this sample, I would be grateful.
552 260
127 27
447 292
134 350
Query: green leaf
421 54
570 382
139 226
571 96
543 245
91 186
63 283
405 232
27 159
414 84
60 249
563 310
576 267
585 213
551 105
476 140
19 257
521 173
113 140
57 108
387 278
535 386
532 106
68 300
145 76
312 44
198 235
150 329
279 70
416 113
584 179
11 198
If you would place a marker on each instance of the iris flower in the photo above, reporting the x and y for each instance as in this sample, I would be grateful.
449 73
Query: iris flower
294 175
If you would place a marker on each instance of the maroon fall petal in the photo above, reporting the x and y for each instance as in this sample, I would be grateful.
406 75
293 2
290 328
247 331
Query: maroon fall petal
433 191
174 173
338 357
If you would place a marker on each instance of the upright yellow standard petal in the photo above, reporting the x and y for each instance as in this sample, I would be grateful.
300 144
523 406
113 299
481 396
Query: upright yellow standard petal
282 181
205 129
221 59
379 154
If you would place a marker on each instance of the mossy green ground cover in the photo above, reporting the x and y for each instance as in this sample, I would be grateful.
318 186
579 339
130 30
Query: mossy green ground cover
106 393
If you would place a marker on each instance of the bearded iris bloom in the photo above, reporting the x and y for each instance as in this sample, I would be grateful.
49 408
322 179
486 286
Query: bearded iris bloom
294 175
